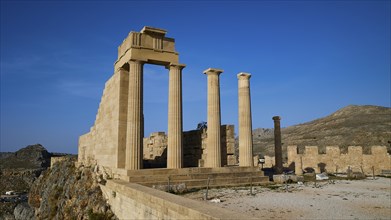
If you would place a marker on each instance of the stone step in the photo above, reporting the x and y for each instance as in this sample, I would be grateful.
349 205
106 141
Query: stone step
174 177
192 170
219 182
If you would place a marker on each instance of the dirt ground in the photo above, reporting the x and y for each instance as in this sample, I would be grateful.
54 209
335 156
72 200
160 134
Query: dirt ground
339 199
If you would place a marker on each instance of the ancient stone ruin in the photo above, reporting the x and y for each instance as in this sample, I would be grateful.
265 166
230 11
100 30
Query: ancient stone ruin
133 164
116 140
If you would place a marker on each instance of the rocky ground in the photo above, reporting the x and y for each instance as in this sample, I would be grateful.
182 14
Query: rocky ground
62 191
18 171
68 192
340 199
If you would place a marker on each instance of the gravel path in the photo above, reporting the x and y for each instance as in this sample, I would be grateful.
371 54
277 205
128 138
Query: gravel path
342 199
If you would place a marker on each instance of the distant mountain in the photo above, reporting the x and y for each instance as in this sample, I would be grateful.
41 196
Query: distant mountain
353 125
30 157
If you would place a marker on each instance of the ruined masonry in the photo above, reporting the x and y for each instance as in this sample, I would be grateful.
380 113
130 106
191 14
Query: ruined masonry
116 146
116 140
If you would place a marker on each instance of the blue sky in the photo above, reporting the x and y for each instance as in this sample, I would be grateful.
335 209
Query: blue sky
307 60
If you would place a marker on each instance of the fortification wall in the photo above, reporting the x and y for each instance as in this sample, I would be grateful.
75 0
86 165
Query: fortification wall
105 143
333 161
133 201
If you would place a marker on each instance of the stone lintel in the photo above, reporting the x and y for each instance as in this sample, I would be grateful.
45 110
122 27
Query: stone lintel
142 61
243 75
213 71
153 30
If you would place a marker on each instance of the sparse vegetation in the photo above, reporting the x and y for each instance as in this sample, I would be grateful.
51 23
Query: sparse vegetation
364 126
67 192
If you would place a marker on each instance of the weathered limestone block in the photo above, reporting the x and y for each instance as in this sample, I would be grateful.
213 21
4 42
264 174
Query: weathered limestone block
230 148
292 153
232 160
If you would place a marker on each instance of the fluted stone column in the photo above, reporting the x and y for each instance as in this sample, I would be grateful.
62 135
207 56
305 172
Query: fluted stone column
174 149
214 118
245 123
277 145
134 133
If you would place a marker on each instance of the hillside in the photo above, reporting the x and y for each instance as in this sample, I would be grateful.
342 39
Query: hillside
353 125
68 192
61 192
30 157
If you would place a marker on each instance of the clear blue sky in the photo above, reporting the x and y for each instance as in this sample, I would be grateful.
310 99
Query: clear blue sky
307 60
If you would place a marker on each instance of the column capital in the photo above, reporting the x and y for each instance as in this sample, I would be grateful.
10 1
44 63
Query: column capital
178 65
276 118
121 69
140 61
213 71
243 75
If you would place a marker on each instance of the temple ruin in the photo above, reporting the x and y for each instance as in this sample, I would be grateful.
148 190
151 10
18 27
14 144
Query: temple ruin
132 164
116 140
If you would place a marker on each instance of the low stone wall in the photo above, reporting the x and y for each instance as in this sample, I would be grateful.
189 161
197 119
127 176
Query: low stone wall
333 161
133 201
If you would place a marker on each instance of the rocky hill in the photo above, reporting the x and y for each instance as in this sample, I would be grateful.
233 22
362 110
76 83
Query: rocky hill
353 125
59 192
18 171
30 157
68 192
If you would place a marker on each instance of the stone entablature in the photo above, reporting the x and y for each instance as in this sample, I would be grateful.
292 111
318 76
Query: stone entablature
333 161
150 44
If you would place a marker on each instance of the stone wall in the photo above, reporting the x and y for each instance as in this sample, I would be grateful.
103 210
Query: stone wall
133 201
194 148
105 143
333 161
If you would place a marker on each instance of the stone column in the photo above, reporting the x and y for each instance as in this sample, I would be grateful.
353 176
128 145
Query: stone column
174 149
245 123
214 119
122 120
134 133
277 145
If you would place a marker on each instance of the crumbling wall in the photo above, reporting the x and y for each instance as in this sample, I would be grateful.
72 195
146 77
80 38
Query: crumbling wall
333 161
194 148
155 150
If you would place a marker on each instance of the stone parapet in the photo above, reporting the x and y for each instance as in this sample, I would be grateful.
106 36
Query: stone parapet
134 201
